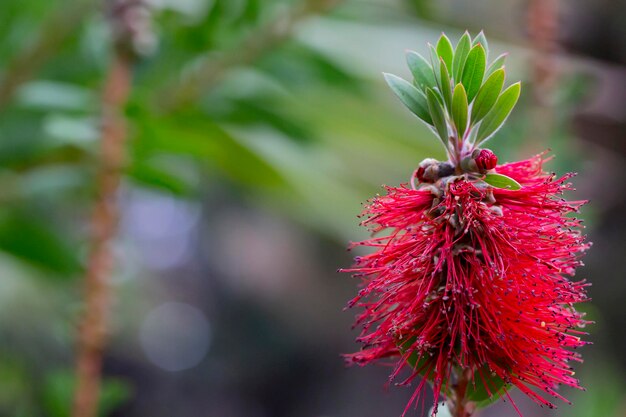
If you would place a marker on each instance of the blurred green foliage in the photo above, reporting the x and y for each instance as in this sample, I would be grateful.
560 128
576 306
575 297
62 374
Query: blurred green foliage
298 129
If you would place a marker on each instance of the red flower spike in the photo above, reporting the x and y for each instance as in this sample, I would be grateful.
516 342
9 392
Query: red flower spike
474 280
485 160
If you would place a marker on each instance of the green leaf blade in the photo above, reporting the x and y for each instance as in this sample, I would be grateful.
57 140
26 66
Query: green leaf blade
487 95
480 39
444 50
434 60
502 181
437 113
459 109
460 55
473 71
422 71
499 113
410 96
445 86
496 64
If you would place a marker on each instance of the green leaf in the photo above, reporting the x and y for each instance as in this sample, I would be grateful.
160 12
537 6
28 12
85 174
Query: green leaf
437 114
410 96
502 181
58 389
480 39
434 61
487 95
195 137
422 71
444 50
445 87
486 389
34 240
498 114
459 109
473 71
415 360
151 175
460 55
496 64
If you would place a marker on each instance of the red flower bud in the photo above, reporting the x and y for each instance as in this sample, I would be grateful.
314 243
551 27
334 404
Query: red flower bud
427 170
485 160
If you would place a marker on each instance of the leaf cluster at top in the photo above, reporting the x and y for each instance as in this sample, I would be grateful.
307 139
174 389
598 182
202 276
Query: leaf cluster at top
456 92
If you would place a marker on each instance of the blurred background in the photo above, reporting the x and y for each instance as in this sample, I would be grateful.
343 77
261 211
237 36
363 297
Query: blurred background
256 129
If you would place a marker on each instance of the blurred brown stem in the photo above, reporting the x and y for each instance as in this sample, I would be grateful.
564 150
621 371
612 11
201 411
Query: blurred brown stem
543 26
93 327
248 51
50 38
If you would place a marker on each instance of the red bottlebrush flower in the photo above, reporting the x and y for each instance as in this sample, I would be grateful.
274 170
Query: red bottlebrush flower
485 160
474 279
468 284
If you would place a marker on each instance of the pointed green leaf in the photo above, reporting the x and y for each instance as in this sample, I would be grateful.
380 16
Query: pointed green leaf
502 181
496 64
498 114
480 39
434 61
437 113
444 50
445 87
410 96
438 96
460 55
421 70
473 71
459 109
487 96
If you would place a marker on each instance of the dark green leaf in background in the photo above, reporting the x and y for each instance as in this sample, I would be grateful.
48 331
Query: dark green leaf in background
486 388
35 240
58 391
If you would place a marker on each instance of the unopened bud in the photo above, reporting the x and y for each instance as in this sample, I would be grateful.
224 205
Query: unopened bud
426 171
485 159
430 170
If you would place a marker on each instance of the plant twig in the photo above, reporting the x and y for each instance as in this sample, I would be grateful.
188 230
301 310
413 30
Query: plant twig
542 22
50 38
248 51
93 328
457 403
